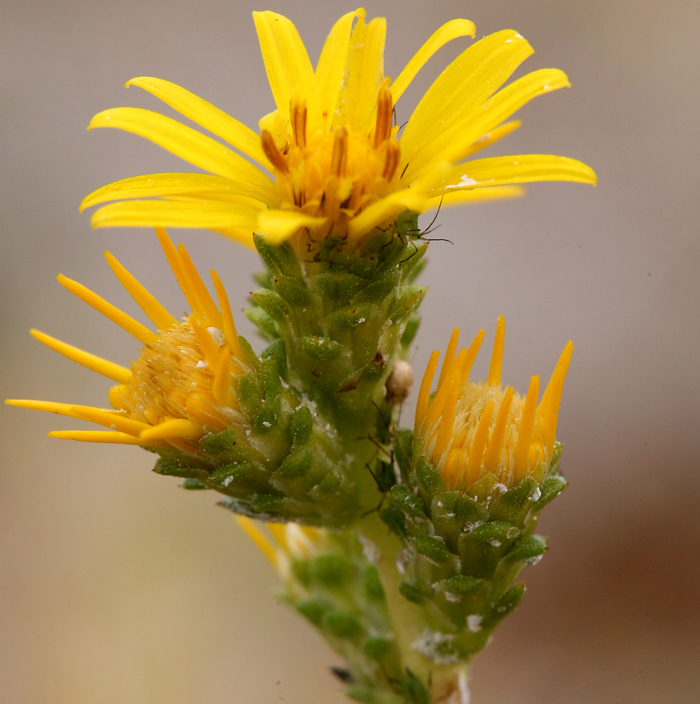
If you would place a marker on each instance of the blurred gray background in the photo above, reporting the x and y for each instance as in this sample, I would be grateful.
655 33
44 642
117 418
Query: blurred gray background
116 586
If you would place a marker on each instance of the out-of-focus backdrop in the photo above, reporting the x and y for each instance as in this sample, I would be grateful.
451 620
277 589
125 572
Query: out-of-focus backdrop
117 586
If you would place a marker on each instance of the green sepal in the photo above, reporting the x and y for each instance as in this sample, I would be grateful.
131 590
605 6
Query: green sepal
411 593
376 647
379 289
332 570
321 348
263 322
429 479
296 464
277 351
507 603
271 303
193 484
292 291
432 547
550 489
414 690
313 610
395 520
302 426
403 498
351 316
531 547
341 624
338 286
407 302
410 331
173 467
403 451
372 584
463 586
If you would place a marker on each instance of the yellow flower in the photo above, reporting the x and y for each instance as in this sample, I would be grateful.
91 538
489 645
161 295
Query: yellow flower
471 429
182 387
339 163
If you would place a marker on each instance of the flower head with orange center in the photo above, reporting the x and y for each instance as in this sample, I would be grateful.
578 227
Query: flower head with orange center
184 384
339 165
469 429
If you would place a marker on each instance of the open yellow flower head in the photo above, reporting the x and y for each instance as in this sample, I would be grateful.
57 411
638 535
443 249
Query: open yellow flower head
331 160
469 430
184 384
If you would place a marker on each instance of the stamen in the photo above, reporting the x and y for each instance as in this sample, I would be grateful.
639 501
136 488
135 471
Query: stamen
424 393
102 366
494 377
391 161
339 158
154 310
124 321
382 129
273 153
521 456
476 452
493 451
297 116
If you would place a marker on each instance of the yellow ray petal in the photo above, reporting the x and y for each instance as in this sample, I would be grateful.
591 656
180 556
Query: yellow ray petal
175 428
461 88
330 70
563 362
258 537
438 403
99 416
405 199
521 456
227 315
179 270
472 351
216 197
279 533
494 377
476 452
448 417
109 369
221 388
210 349
478 195
157 313
365 74
190 145
279 225
475 123
287 64
523 168
124 321
207 302
244 237
424 393
449 355
103 436
498 436
163 185
490 138
157 213
204 114
449 31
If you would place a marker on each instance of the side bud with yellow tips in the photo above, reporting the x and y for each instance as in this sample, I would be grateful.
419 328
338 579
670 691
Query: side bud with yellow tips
475 474
218 415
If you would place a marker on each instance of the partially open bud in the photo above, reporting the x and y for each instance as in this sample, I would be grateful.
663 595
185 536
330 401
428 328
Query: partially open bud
217 414
330 581
479 468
